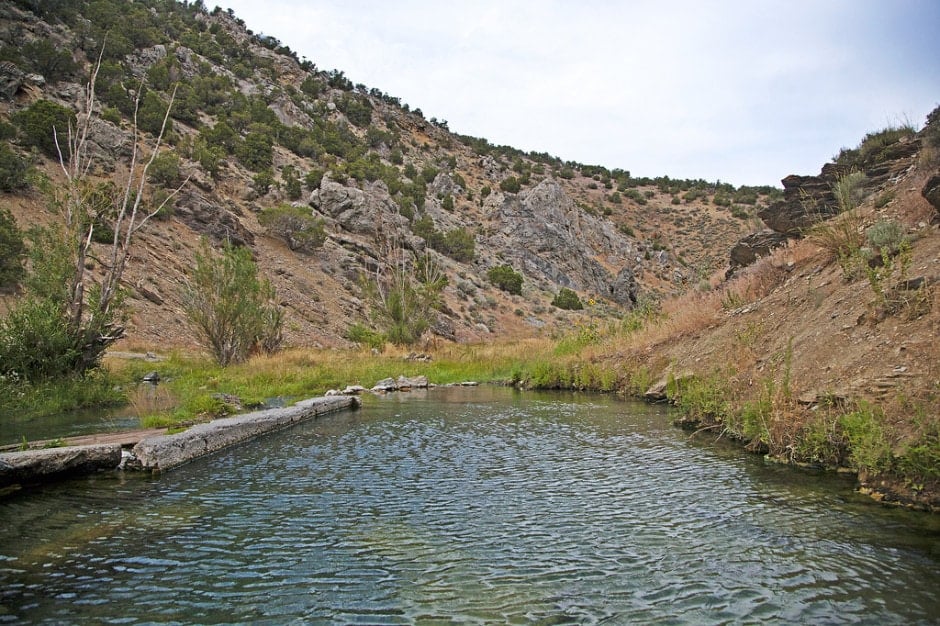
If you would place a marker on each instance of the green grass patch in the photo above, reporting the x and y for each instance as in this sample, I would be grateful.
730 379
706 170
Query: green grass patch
97 388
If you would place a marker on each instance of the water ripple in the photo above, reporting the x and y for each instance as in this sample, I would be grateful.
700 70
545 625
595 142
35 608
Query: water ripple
506 509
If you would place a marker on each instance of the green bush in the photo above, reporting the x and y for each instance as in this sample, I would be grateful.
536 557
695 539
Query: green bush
263 181
357 110
567 299
885 236
511 185
13 169
151 114
869 446
403 297
313 178
458 244
362 334
506 279
12 250
53 62
232 311
256 152
165 169
44 121
296 226
37 340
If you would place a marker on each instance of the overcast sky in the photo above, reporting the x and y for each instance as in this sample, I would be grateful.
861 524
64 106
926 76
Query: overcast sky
743 91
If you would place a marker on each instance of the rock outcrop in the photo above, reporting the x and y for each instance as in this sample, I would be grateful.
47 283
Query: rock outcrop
808 200
544 234
370 211
752 247
931 192
209 218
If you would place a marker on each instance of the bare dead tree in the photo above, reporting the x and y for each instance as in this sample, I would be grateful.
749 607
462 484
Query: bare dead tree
91 312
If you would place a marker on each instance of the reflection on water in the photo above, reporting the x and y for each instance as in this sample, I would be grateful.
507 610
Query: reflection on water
14 428
469 506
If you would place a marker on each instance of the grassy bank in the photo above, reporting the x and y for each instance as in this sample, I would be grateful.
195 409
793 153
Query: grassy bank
195 388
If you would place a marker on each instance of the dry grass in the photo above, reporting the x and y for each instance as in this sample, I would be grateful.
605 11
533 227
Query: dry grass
840 237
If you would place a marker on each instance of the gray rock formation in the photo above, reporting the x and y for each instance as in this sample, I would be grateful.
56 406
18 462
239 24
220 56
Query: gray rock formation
208 218
544 235
365 212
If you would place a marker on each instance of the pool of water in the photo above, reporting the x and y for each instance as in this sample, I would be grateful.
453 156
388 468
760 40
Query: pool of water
469 506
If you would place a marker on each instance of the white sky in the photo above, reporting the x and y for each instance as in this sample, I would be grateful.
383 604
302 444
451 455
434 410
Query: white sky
745 91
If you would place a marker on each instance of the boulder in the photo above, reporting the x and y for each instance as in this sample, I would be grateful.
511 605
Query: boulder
11 79
416 382
370 211
385 385
36 466
931 192
752 247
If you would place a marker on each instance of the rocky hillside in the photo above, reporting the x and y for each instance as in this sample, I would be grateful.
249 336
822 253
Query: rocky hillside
258 133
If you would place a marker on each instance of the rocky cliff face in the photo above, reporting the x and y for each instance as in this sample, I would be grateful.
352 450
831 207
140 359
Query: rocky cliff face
543 233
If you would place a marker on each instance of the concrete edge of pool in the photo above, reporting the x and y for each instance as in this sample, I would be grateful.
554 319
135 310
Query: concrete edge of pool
160 452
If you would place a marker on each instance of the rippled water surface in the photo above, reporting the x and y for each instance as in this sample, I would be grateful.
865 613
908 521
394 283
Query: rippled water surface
469 506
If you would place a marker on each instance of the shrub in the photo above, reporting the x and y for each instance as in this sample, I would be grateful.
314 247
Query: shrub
842 238
53 62
44 121
511 185
165 169
506 279
357 110
849 190
885 236
868 443
636 196
263 181
256 151
458 244
37 339
296 226
362 334
231 310
12 169
403 296
151 114
12 249
567 299
313 178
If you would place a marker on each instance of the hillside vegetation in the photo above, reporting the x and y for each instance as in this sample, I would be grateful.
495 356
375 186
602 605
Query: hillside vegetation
801 322
257 130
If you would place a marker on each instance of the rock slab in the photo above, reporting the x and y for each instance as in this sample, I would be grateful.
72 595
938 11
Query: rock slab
164 452
38 466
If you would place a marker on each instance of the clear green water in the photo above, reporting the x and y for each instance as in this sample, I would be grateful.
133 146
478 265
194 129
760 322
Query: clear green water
469 506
